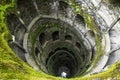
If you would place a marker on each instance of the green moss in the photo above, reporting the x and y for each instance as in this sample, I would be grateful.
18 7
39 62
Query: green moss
92 26
11 67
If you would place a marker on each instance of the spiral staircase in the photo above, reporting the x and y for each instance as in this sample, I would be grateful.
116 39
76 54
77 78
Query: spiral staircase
55 36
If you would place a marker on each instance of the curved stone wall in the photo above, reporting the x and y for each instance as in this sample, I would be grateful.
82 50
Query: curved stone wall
78 37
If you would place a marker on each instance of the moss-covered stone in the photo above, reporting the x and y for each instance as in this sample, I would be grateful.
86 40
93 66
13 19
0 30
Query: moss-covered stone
11 67
92 26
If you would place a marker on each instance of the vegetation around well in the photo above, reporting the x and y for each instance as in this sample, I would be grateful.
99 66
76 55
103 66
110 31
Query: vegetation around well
12 67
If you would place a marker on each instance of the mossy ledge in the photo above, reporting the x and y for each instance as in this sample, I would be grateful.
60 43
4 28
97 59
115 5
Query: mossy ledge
11 67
